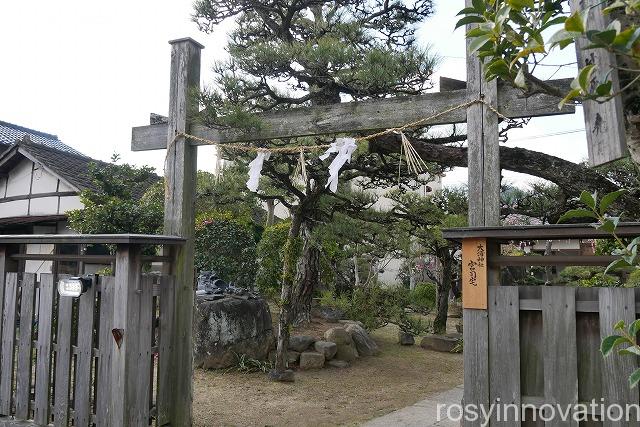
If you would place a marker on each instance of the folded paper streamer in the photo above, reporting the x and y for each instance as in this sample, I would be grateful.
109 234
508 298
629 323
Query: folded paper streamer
345 148
255 169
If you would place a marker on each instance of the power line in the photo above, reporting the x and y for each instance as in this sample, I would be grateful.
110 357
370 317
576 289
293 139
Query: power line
544 135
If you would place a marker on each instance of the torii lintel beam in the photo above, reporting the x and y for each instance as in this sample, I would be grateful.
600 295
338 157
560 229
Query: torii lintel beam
362 116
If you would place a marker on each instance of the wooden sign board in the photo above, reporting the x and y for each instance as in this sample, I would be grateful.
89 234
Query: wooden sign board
474 273
604 123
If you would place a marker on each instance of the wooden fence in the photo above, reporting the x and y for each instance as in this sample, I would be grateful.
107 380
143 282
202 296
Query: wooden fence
101 359
535 346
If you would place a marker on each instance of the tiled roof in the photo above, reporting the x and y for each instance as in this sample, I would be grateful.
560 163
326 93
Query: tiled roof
10 133
74 168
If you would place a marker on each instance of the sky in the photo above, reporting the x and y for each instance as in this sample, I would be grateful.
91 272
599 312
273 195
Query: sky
89 73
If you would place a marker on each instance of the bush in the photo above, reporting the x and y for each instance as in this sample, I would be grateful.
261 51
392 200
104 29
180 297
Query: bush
412 325
226 246
588 277
633 281
423 297
270 253
328 299
574 273
376 307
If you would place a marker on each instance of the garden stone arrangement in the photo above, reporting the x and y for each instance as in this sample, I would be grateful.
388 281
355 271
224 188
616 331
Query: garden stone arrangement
341 346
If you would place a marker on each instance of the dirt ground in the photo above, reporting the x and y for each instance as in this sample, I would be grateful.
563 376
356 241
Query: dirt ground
370 387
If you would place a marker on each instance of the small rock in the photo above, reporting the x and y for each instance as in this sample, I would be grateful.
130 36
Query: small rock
338 335
406 339
365 345
455 310
328 348
311 360
347 322
284 377
347 352
346 349
300 343
335 363
442 343
292 356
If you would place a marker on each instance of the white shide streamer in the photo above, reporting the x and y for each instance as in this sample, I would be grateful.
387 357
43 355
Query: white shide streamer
344 147
255 169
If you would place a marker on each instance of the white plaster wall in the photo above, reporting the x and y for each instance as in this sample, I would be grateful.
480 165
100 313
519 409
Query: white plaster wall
64 187
43 181
14 208
68 203
20 179
44 206
40 266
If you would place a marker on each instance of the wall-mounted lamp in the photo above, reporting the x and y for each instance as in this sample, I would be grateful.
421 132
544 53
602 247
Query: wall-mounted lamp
74 286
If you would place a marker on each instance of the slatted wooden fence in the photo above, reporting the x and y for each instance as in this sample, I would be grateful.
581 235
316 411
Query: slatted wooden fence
545 341
56 357
104 358
539 346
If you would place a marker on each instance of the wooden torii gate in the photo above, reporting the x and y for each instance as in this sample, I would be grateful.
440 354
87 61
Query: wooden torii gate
180 174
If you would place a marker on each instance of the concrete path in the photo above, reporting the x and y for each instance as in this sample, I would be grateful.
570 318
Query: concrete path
423 413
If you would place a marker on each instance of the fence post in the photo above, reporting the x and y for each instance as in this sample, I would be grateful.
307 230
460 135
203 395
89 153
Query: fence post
125 332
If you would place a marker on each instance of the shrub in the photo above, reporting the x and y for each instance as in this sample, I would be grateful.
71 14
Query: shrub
376 307
574 273
412 325
226 246
328 299
588 277
270 253
423 297
633 281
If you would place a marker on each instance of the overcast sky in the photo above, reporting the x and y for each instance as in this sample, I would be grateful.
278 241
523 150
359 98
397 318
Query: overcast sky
89 72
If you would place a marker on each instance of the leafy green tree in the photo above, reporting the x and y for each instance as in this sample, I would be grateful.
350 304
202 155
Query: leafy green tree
117 203
516 36
226 246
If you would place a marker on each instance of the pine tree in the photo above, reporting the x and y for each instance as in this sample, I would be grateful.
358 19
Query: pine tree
285 53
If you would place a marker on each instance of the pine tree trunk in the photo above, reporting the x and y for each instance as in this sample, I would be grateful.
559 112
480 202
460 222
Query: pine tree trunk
307 278
443 288
291 252
270 212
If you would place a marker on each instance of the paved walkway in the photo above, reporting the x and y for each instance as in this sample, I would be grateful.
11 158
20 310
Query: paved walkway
422 414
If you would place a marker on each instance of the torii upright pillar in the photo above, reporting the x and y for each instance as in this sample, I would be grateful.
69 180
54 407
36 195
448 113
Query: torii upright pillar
179 220
484 210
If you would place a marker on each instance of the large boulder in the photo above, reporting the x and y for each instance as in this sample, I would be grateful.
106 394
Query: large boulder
346 350
228 327
311 360
300 343
365 345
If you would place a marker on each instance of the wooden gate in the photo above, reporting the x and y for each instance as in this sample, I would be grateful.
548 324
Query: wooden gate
102 358
541 344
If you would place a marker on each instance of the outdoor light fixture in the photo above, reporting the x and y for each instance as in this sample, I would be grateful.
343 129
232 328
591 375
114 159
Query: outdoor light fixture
73 286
